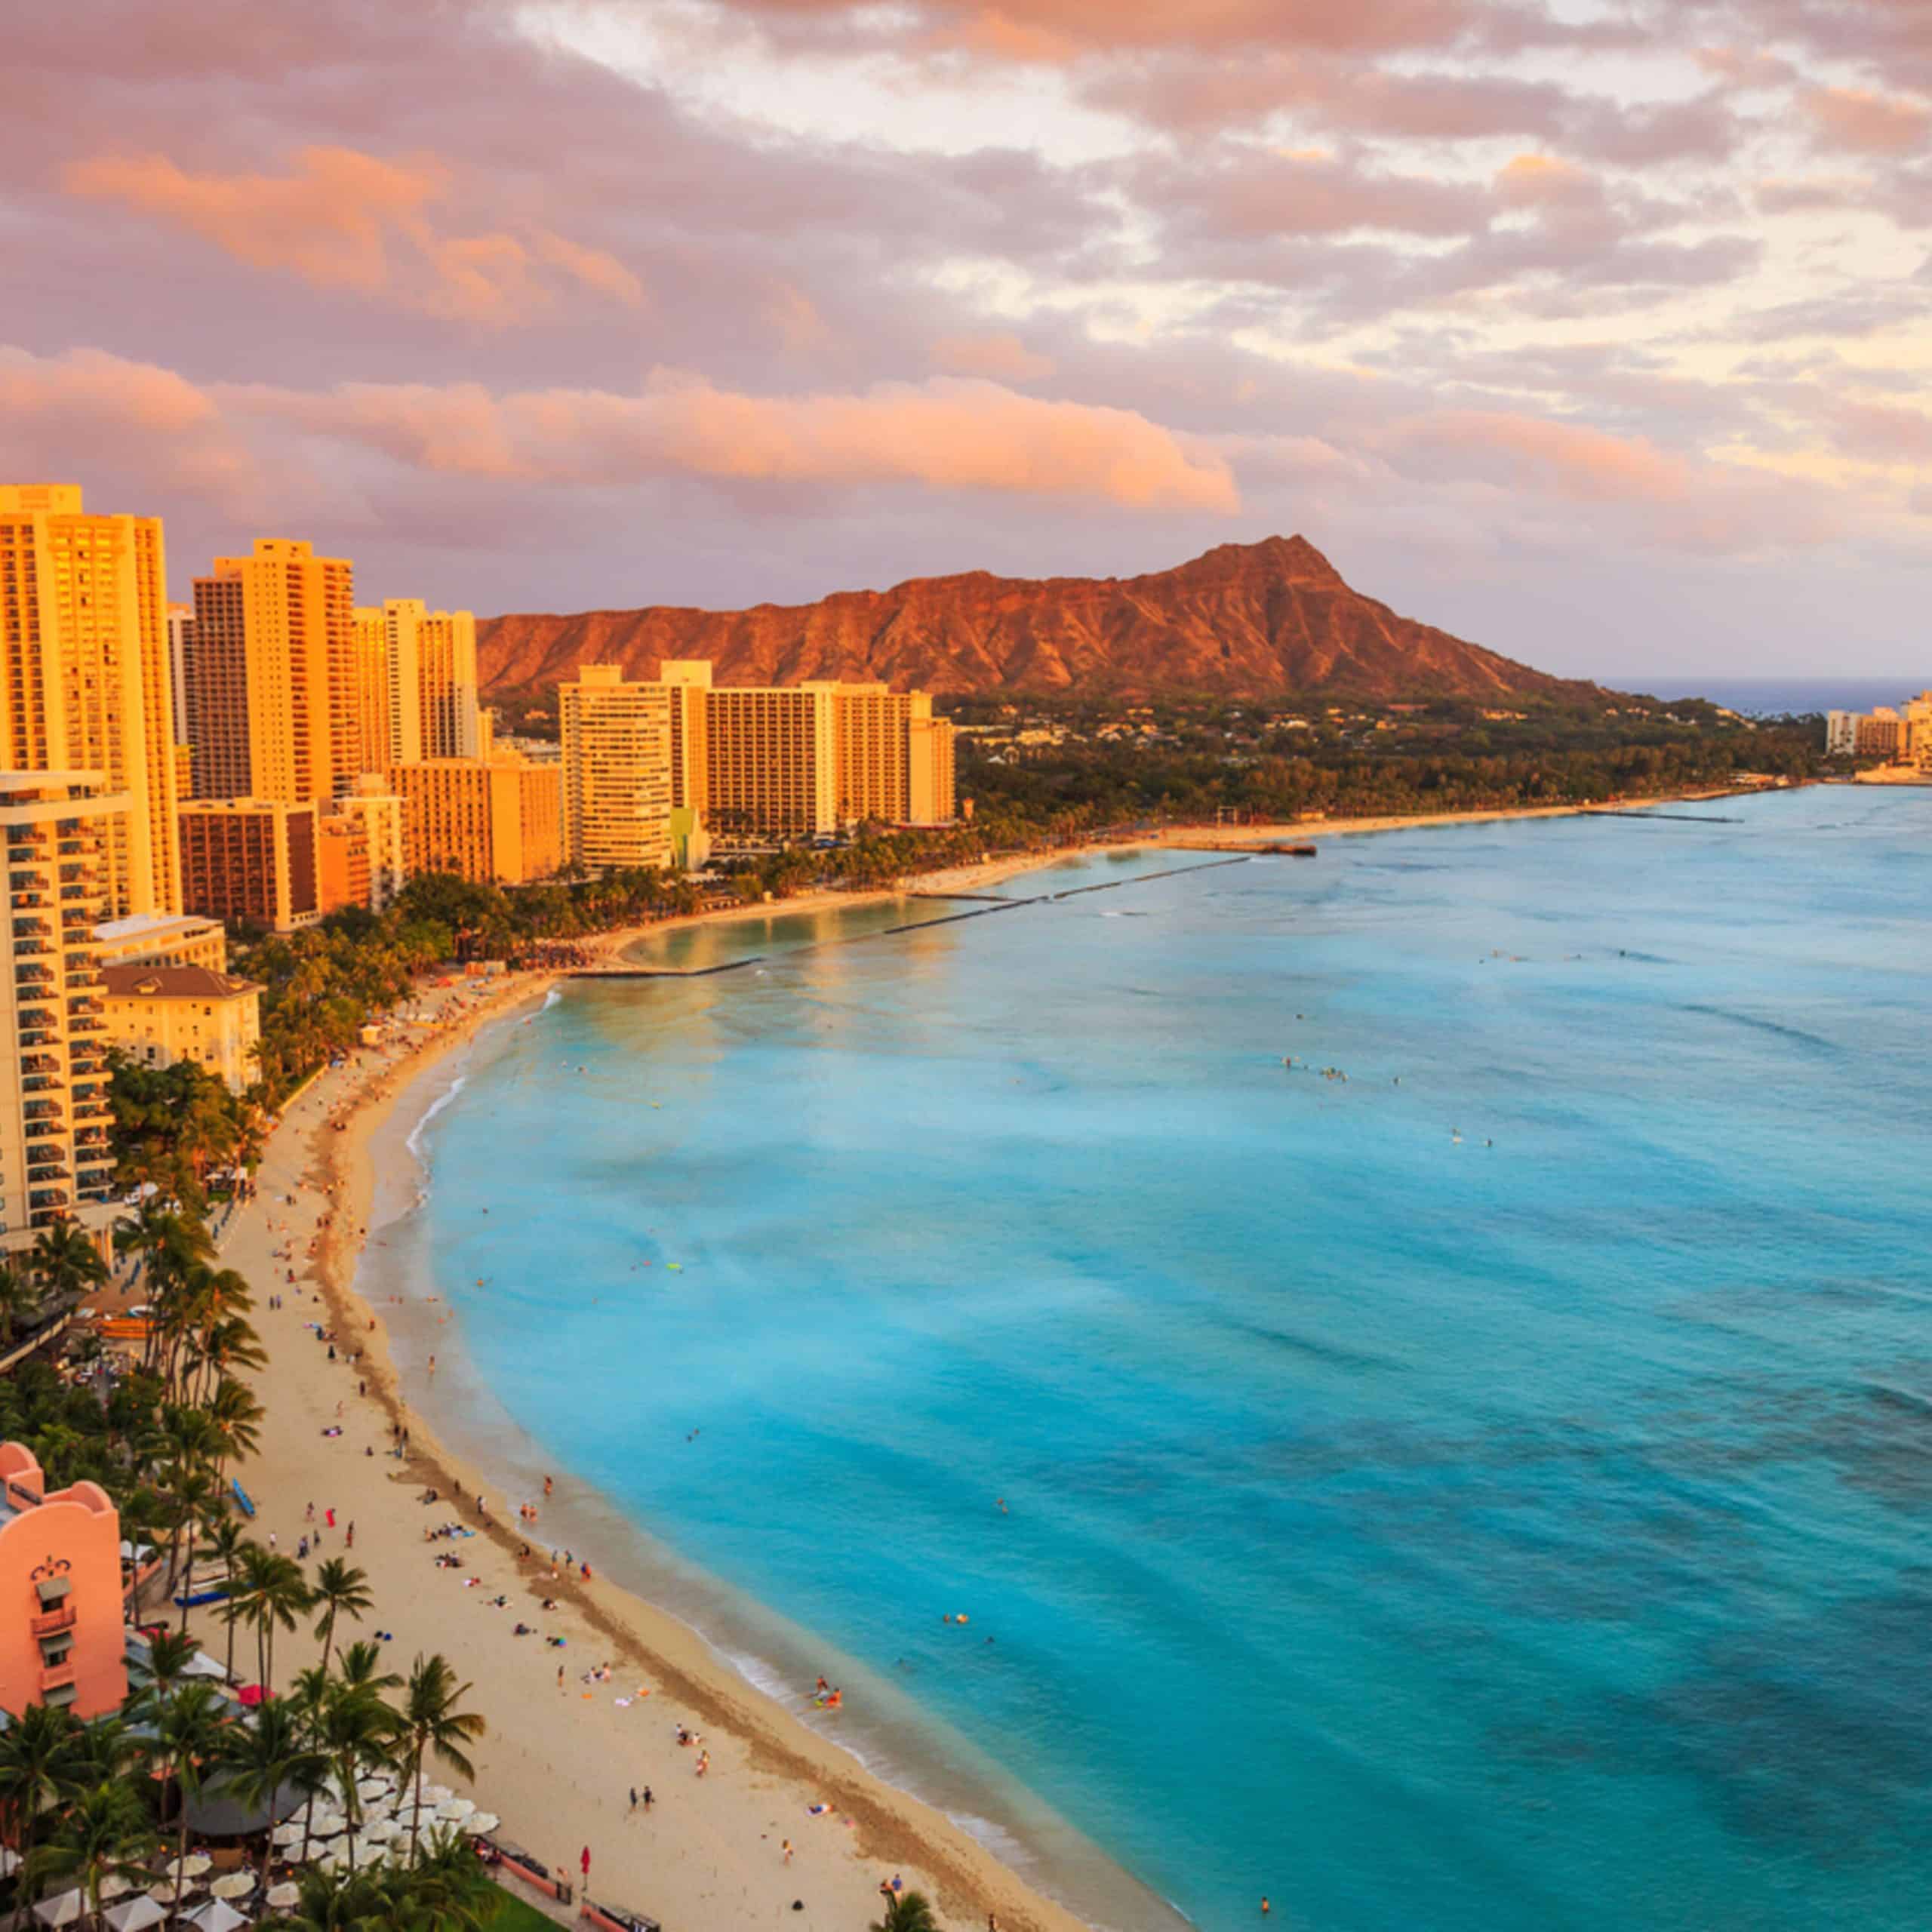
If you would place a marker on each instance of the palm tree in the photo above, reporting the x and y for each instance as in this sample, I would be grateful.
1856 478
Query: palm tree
169 1653
103 1834
233 1414
341 1590
357 1731
19 1300
196 1497
66 1261
431 1722
187 1735
35 1750
269 1753
346 1902
906 1912
270 1593
448 1889
227 1540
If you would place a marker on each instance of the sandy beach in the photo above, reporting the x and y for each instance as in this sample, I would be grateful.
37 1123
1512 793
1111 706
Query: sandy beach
568 1741
562 1754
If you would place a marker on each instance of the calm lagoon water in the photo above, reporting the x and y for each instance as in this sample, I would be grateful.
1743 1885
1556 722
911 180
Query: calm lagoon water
1489 1492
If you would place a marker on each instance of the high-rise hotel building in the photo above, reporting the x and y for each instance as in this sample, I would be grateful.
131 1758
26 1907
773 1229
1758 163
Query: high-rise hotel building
416 683
271 662
616 770
57 828
801 760
85 682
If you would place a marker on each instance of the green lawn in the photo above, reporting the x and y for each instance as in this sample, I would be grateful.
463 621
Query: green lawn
515 1914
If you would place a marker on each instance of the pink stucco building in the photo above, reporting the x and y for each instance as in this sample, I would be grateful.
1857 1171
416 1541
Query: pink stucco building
61 1637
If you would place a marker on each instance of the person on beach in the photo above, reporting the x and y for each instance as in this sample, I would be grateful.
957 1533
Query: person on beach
786 1849
648 1800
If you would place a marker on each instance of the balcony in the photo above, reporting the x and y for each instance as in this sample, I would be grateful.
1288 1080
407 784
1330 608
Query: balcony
40 1039
33 927
51 1621
39 1083
44 1200
42 1110
56 1676
85 1026
46 1176
32 975
41 1063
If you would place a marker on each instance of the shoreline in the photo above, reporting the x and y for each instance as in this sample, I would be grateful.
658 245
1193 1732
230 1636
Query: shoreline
555 1788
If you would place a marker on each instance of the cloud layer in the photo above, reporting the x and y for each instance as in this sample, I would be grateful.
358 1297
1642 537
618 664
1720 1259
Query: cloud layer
557 305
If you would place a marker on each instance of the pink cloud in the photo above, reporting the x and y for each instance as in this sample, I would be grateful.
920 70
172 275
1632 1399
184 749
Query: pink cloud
347 219
1000 355
1867 122
948 433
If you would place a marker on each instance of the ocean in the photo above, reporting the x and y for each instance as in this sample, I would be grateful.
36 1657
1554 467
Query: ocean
1770 698
1486 1493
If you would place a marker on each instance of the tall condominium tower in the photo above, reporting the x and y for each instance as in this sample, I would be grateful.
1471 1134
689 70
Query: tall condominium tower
772 770
57 827
389 652
616 769
271 676
452 727
85 677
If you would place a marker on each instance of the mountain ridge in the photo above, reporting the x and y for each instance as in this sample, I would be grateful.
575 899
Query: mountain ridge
1269 619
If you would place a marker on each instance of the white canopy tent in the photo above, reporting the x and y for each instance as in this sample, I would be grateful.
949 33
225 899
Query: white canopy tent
135 1914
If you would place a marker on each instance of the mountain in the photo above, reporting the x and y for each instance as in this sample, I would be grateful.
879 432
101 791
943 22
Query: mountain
1249 621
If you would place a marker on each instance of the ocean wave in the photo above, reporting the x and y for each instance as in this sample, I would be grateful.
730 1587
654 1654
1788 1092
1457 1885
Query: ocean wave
550 999
414 1143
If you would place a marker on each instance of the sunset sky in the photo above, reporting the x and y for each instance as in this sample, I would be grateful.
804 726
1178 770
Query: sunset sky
1597 331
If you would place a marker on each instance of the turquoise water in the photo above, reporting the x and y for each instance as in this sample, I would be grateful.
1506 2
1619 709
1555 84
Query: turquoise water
1530 1534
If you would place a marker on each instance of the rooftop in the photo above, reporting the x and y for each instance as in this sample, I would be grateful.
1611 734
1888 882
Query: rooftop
172 983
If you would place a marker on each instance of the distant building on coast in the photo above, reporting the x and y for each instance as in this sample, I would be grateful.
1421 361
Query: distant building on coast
1900 736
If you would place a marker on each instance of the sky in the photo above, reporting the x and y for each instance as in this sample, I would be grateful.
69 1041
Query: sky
1597 331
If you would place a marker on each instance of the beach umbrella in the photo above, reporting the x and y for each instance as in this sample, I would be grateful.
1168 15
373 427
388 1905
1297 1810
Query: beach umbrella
61 1909
454 1808
217 1915
373 1788
135 1914
281 1897
114 1885
478 1823
9 1861
438 1794
288 1834
234 1885
328 1825
171 1891
192 1867
379 1830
